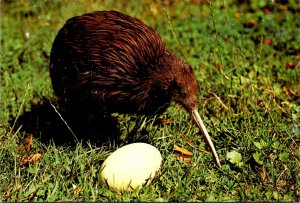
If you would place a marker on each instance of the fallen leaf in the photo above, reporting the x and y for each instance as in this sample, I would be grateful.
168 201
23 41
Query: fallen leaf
153 9
263 173
182 154
178 107
251 22
218 66
23 161
290 93
77 190
290 65
18 185
283 7
227 40
267 41
194 147
21 149
237 15
266 10
30 159
35 157
164 121
296 57
28 142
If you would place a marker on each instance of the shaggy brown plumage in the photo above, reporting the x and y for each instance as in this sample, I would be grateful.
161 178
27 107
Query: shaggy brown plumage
106 61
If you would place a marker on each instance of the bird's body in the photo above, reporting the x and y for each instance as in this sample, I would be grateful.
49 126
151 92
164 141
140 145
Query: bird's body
106 62
113 61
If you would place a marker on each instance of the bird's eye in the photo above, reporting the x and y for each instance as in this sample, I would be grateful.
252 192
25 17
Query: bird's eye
182 94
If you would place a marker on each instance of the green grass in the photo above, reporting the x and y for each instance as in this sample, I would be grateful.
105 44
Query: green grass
249 100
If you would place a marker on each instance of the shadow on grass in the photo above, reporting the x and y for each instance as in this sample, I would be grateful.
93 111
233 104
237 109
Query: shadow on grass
45 123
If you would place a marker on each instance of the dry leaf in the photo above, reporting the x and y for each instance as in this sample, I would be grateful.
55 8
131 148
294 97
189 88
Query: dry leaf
263 174
182 154
251 22
77 189
31 159
290 93
28 142
35 157
237 15
290 65
24 161
228 40
21 149
178 107
154 9
164 121
266 10
191 145
218 66
267 41
18 186
283 8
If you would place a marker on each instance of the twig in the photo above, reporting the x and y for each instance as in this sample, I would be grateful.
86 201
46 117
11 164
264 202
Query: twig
160 138
274 100
285 169
64 122
219 100
21 107
176 39
190 144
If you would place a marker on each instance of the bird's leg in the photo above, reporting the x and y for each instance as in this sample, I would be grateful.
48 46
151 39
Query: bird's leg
137 126
140 123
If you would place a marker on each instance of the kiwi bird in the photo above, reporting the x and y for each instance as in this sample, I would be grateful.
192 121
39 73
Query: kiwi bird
106 61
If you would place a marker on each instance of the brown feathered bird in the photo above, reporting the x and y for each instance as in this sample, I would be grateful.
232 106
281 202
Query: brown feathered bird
105 62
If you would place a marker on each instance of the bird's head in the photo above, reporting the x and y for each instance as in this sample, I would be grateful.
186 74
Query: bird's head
183 85
183 88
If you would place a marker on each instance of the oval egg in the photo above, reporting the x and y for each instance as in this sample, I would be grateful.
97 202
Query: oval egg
130 167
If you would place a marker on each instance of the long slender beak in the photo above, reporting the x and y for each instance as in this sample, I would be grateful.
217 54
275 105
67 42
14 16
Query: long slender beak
199 122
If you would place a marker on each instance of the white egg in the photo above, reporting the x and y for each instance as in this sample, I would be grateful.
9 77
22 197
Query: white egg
130 167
